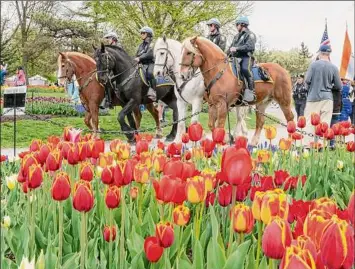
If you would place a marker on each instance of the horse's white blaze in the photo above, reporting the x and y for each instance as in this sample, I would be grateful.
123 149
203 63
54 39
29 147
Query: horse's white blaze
59 71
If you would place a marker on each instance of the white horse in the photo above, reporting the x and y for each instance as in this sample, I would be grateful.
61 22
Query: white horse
167 53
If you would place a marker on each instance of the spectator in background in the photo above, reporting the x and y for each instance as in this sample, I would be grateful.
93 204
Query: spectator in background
300 95
20 79
3 73
346 111
337 106
322 78
352 100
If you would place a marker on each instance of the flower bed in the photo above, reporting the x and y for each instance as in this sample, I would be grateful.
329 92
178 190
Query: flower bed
200 204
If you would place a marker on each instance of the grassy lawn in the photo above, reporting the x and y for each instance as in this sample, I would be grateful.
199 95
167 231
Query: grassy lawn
48 94
35 129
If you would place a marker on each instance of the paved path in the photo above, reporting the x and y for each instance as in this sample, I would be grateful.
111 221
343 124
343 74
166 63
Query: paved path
271 110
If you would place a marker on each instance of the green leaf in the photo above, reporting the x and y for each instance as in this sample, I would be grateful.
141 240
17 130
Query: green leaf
71 261
263 264
215 256
198 255
40 239
237 258
138 261
184 264
251 257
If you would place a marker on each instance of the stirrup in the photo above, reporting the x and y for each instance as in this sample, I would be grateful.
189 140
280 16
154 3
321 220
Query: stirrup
249 96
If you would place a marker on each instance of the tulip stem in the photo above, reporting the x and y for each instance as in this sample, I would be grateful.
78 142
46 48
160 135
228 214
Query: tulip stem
271 263
33 225
110 242
259 245
60 251
241 238
234 196
82 239
123 208
140 201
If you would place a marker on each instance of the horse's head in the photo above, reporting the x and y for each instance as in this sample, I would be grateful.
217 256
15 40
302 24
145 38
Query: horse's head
191 58
66 69
164 59
104 64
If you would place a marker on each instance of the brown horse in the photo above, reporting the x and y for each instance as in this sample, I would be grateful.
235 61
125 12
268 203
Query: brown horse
224 86
91 92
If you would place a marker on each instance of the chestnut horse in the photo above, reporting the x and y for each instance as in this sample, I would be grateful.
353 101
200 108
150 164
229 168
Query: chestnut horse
225 88
91 92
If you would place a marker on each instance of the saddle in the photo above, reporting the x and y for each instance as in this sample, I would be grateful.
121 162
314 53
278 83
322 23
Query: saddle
259 73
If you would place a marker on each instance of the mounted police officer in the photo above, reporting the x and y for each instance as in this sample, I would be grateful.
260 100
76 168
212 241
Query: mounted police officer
215 36
110 38
145 54
243 47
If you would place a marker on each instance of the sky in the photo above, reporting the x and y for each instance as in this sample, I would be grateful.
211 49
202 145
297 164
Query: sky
285 24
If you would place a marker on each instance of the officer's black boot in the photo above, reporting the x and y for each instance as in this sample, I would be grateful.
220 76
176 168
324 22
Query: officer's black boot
108 99
249 95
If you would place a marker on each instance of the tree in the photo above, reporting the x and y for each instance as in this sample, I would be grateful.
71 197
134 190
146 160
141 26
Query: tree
262 54
175 19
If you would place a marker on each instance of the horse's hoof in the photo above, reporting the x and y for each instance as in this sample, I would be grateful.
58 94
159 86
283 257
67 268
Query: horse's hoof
231 139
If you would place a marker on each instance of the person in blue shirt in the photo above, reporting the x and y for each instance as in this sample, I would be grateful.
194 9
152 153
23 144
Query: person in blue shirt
3 73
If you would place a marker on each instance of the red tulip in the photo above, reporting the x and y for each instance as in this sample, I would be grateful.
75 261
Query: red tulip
123 173
336 128
113 197
107 175
187 155
107 233
208 146
350 146
291 127
345 124
351 208
296 136
27 161
337 245
304 242
318 130
164 232
196 190
61 187
185 138
152 249
35 145
165 189
324 127
281 177
242 191
3 158
195 131
20 177
238 167
243 218
210 198
160 145
241 142
277 236
325 204
174 149
225 195
43 153
35 176
54 160
299 208
297 258
218 135
83 198
344 131
25 187
142 146
86 171
73 157
180 194
329 134
315 119
301 123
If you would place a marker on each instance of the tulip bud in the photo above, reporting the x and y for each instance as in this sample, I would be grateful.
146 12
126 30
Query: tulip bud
208 146
113 197
107 233
237 167
329 134
107 175
35 176
61 187
218 135
107 159
195 131
301 123
350 146
141 173
54 160
337 244
306 243
270 132
26 162
133 192
291 127
241 142
83 198
36 145
195 190
299 258
142 146
274 204
325 204
324 127
242 218
153 251
256 206
315 119
285 144
7 222
315 224
263 156
277 236
43 153
73 157
86 171
124 151
164 232
185 138
181 215
11 181
159 163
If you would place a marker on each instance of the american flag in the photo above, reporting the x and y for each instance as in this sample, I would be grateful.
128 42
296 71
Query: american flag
325 39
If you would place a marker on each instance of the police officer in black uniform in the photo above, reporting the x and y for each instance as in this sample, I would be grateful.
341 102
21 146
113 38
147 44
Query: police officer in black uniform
145 54
215 36
243 47
300 93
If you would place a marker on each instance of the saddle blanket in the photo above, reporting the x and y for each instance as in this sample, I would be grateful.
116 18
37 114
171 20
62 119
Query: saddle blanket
160 80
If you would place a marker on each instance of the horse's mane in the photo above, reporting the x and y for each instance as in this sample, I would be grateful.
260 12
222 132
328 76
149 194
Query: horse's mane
79 54
194 49
120 49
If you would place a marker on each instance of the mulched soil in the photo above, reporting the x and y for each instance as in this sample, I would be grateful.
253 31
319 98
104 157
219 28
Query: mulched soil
25 117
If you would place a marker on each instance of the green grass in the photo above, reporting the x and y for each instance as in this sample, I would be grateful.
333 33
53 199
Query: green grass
35 129
47 94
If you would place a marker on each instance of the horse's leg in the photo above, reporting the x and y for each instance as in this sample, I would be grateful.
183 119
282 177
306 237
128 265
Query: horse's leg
155 113
87 120
127 109
172 104
212 117
181 129
137 117
196 108
260 120
241 126
94 111
131 121
286 109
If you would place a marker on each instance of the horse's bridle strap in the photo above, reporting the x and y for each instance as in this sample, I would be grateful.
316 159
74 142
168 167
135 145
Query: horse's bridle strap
215 79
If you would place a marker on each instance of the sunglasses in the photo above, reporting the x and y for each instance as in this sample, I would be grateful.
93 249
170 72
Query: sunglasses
143 33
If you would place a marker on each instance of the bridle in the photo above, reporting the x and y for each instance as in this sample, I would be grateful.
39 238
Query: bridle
165 64
190 65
